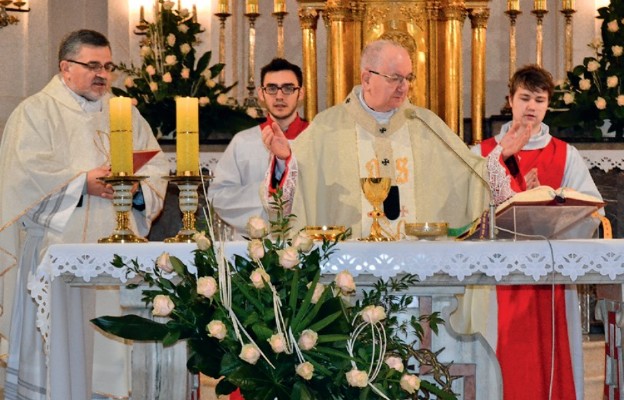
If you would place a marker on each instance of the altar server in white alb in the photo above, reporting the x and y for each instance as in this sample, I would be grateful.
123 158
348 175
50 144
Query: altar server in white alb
54 147
235 191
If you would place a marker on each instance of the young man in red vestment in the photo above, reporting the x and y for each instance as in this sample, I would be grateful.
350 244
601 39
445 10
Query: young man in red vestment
234 192
524 346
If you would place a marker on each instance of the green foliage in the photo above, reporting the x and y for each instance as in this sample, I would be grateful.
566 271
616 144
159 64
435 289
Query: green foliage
294 296
170 69
593 91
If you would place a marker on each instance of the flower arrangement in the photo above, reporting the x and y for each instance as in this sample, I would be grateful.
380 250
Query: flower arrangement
169 69
594 91
272 326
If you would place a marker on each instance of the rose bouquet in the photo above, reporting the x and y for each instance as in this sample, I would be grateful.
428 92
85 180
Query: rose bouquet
170 69
273 326
593 94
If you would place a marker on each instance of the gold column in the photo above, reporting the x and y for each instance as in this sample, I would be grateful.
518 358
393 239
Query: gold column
478 19
567 13
329 77
453 15
540 11
433 17
308 18
338 14
357 11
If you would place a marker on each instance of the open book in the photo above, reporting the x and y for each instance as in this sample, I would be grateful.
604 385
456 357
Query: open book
547 196
141 157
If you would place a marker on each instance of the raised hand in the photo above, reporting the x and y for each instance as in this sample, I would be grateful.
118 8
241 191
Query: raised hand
515 139
275 141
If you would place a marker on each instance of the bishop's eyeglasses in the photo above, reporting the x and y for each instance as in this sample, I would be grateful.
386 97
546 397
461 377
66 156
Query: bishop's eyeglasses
95 66
395 79
286 89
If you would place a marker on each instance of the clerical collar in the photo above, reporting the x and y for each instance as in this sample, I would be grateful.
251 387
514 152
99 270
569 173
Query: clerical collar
382 117
86 105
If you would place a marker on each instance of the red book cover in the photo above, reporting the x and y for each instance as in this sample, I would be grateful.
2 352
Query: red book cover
141 157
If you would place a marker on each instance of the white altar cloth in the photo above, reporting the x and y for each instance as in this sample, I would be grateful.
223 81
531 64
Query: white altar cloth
437 263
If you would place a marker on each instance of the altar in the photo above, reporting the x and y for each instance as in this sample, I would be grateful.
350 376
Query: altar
447 266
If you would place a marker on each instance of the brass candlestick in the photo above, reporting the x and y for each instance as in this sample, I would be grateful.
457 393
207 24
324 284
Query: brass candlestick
539 35
223 16
280 32
189 202
376 190
513 16
122 202
251 101
567 13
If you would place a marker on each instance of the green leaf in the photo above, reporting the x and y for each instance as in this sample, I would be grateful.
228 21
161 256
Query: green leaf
132 327
325 321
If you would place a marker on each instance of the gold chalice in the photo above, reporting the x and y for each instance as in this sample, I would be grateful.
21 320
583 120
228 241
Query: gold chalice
376 190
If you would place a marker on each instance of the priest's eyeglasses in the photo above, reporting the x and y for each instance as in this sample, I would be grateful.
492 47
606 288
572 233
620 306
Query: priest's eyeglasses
95 66
286 89
395 79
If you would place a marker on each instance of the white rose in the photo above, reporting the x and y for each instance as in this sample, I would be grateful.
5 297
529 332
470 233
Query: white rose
593 65
373 314
357 378
596 43
277 342
617 50
250 354
185 48
184 12
146 51
171 59
612 26
612 81
171 39
167 78
620 100
203 101
164 262
568 98
289 257
318 292
305 370
344 281
257 228
302 241
396 363
203 243
222 99
207 74
168 5
207 286
162 306
128 82
185 73
410 383
601 103
183 28
153 86
210 83
150 70
307 340
252 112
258 278
216 329
584 84
255 248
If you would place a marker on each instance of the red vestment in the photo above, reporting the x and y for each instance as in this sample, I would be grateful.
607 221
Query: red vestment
524 347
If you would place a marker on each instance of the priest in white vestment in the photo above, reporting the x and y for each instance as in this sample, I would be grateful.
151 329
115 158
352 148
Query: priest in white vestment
54 147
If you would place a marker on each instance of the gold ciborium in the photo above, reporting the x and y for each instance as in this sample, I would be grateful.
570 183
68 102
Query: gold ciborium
122 202
376 190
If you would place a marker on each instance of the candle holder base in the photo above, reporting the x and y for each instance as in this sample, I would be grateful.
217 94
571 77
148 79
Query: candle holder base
189 202
122 202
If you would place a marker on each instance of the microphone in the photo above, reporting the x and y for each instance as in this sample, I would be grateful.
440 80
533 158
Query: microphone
412 114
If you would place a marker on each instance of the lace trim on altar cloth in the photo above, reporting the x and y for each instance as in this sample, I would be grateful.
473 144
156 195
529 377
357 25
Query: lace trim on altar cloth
499 180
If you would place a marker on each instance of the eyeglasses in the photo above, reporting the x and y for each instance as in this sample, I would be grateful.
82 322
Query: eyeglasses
95 66
395 79
286 89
